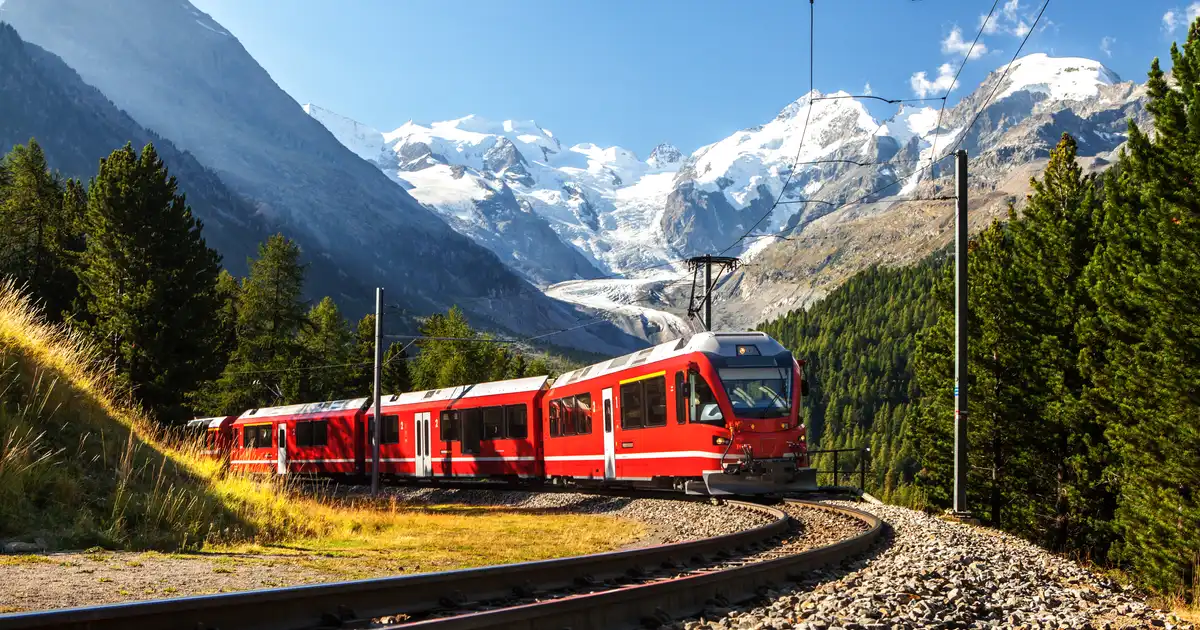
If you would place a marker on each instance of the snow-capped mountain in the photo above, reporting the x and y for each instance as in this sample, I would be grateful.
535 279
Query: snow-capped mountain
177 72
585 208
1039 99
636 218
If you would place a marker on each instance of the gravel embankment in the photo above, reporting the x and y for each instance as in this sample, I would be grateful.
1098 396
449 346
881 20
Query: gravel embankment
938 574
666 520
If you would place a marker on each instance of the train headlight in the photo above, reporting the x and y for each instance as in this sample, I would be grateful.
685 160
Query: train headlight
720 441
783 427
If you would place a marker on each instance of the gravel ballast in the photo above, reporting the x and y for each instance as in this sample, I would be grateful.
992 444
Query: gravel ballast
666 520
938 574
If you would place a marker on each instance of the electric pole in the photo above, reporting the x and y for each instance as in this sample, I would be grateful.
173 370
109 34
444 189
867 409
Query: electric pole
378 428
960 334
698 304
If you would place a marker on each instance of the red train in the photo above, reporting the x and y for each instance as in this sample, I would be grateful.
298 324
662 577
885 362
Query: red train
714 413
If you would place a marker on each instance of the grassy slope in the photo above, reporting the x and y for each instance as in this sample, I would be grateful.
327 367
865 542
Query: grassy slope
78 468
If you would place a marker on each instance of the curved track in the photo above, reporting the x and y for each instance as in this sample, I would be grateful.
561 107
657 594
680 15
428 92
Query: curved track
699 572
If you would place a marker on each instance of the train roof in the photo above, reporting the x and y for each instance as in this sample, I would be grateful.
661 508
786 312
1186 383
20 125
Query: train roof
724 344
206 423
511 386
328 406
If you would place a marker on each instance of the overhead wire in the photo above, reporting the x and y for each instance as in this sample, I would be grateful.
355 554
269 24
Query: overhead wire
803 132
962 137
937 128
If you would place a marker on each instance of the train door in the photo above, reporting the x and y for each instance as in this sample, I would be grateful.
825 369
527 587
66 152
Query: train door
610 444
281 462
421 441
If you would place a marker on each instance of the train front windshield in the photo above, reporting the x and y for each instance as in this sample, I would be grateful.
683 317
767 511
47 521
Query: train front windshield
758 392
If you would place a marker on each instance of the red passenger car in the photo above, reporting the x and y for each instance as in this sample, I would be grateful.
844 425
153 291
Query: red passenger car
486 430
716 413
215 434
319 438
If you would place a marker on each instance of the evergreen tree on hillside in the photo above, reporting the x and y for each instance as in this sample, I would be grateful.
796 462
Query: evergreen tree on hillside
443 363
1008 477
857 343
1145 355
40 228
1055 240
394 378
149 280
264 369
327 340
229 292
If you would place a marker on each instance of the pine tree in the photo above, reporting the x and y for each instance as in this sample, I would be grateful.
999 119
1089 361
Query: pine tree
394 378
149 280
1055 240
266 367
443 363
326 340
1145 359
40 228
229 292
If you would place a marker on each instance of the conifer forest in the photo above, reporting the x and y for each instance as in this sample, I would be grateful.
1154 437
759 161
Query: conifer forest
1084 358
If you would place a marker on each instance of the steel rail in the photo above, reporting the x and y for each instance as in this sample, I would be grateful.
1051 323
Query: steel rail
331 605
649 605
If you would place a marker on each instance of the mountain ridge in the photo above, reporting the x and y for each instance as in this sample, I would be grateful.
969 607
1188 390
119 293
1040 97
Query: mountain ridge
179 73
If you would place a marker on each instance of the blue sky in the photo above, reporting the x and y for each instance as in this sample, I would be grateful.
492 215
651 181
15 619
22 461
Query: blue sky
635 73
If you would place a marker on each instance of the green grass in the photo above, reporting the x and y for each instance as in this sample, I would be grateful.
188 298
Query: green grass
23 559
81 466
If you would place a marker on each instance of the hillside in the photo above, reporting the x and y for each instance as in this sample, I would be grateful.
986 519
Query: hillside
182 75
42 98
79 468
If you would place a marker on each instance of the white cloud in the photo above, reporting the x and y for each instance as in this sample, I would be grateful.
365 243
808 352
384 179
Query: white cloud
990 25
1170 21
955 45
867 89
1009 21
1010 10
923 87
1174 18
1106 43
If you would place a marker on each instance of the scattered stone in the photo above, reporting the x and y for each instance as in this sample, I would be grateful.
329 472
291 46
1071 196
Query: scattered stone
929 572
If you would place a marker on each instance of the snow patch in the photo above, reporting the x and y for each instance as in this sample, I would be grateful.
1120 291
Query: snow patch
1062 78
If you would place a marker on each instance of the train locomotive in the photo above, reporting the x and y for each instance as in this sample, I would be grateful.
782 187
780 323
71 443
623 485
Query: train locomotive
713 413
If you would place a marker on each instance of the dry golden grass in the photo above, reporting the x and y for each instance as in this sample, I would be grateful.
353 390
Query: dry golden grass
81 466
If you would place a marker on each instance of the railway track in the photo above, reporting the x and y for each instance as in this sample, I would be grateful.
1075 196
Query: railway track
609 590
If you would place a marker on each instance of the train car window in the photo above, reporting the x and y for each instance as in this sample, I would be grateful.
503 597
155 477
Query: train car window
701 394
681 399
304 433
493 423
633 414
471 430
320 433
583 409
655 393
555 414
391 430
566 421
515 418
258 436
449 426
